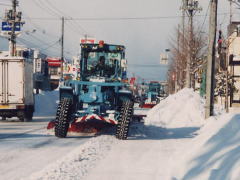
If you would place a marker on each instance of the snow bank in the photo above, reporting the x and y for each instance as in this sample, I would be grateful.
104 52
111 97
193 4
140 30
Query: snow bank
214 153
183 109
46 103
77 163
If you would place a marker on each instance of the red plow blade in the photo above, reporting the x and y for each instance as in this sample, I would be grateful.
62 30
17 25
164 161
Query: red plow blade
148 106
83 127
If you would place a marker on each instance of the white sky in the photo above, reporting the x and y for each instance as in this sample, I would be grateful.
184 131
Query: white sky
144 39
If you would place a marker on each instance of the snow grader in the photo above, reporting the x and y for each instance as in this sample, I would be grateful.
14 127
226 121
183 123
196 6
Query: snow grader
153 95
100 95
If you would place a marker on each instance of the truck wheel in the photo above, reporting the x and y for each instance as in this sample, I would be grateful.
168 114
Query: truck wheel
21 115
28 116
125 117
62 118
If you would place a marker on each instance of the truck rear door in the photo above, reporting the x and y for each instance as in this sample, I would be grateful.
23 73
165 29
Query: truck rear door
1 81
15 81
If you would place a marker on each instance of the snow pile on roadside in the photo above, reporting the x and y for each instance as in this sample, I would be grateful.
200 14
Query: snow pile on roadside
46 103
77 163
214 153
183 109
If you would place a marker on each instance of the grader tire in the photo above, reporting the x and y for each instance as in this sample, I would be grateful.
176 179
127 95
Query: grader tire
125 117
62 118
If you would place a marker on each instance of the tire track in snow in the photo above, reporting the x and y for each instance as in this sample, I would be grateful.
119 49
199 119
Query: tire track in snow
79 162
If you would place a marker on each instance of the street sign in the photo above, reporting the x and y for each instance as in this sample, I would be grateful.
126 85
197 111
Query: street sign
164 59
6 26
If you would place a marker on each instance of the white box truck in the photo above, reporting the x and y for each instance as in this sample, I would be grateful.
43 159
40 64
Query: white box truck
16 88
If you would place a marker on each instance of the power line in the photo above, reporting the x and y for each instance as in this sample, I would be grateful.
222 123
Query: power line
205 18
60 13
117 18
120 18
50 46
44 33
77 27
3 4
25 16
50 11
48 7
223 21
46 49
38 39
45 8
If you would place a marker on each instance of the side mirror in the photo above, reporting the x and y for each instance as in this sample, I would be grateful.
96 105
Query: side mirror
124 63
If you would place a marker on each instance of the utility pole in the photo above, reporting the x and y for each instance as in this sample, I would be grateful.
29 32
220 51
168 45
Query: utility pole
182 30
183 18
231 11
227 91
191 7
211 59
13 35
62 47
177 70
11 24
183 8
11 20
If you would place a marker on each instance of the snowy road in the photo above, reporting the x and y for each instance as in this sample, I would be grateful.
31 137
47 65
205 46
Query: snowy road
173 143
26 148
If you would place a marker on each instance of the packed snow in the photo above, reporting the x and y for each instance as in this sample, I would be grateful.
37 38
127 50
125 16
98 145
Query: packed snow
183 109
214 153
78 162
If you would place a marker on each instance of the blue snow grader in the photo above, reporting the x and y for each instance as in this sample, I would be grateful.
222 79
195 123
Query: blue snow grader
100 93
152 96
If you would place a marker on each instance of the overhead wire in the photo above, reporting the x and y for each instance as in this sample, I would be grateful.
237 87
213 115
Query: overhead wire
205 18
27 43
40 40
70 21
204 21
44 32
51 9
4 4
121 18
60 13
49 45
46 9
136 18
